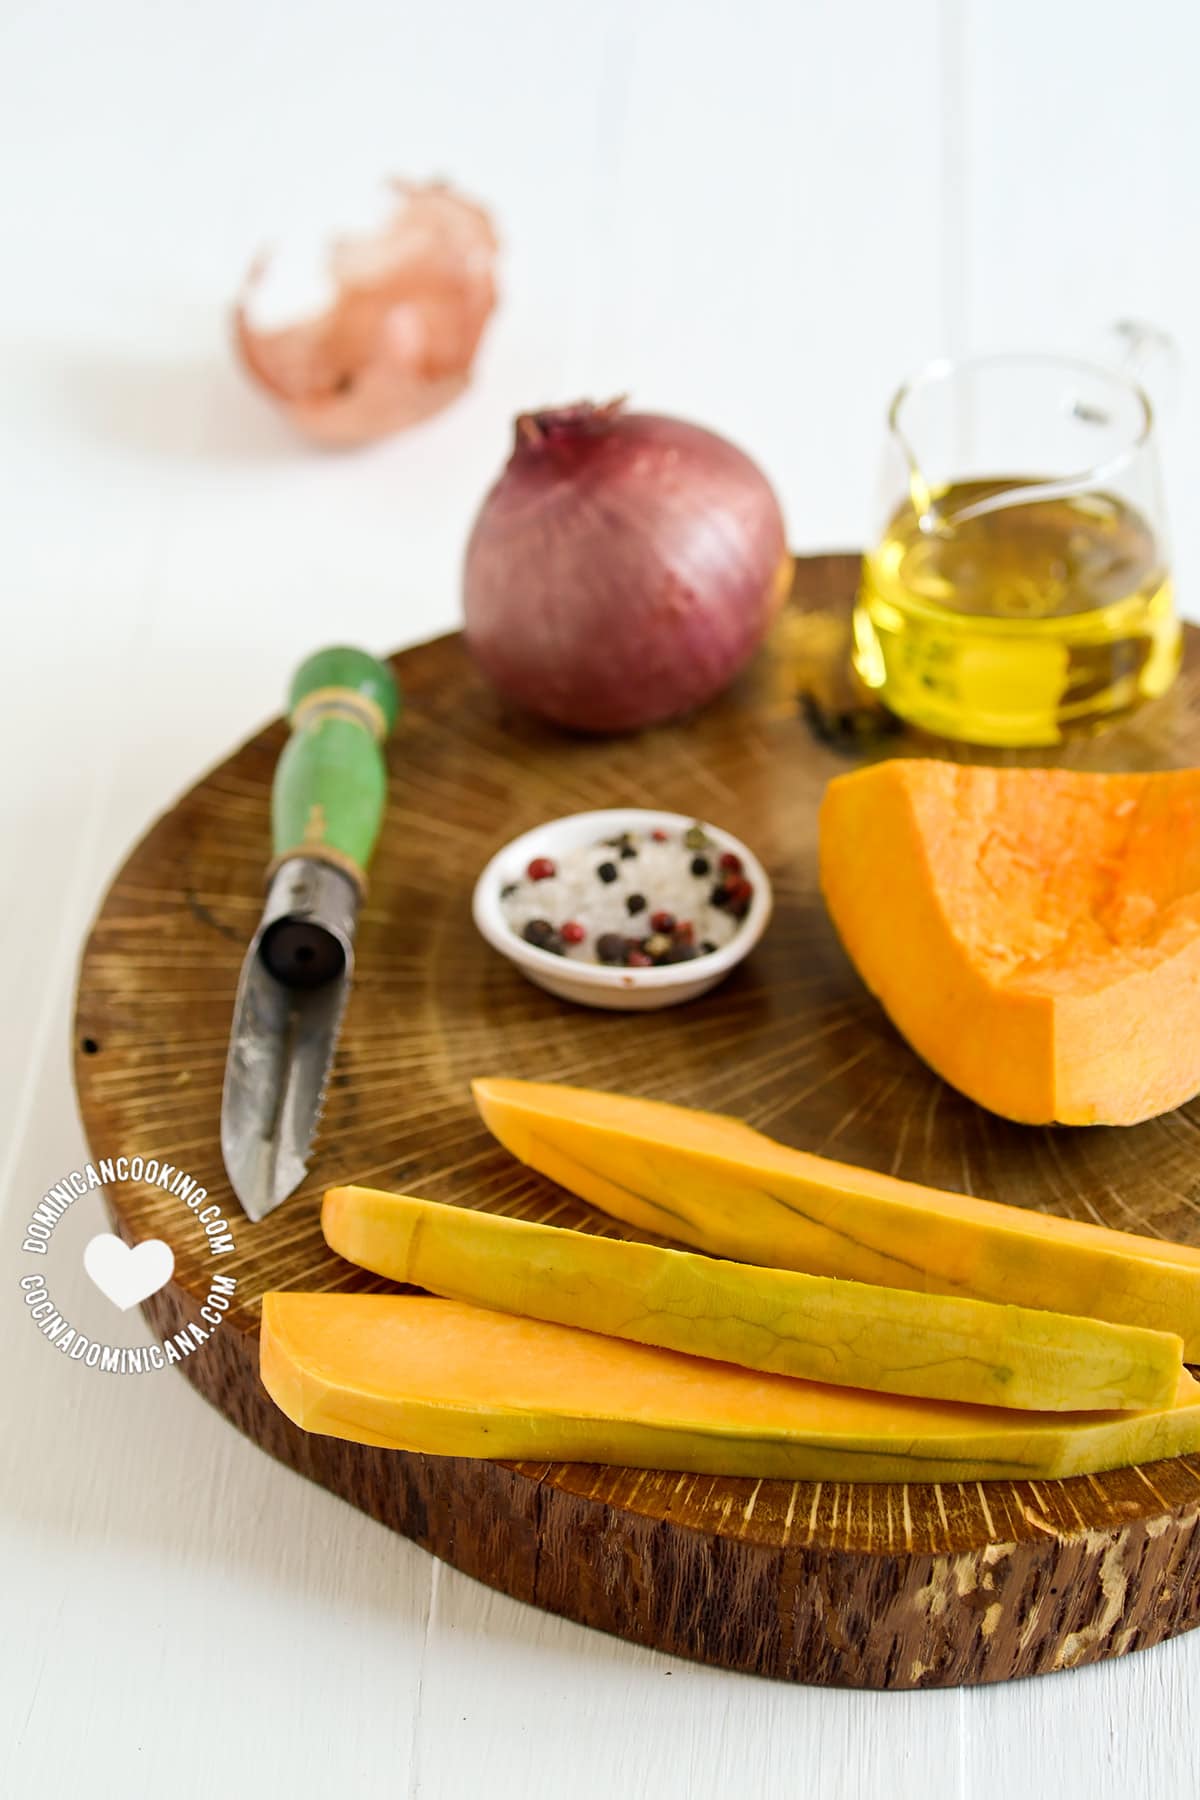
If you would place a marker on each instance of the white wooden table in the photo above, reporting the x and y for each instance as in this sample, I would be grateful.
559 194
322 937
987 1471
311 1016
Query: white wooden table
760 216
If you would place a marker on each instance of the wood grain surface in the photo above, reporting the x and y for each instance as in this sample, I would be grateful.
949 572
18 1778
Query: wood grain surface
876 1586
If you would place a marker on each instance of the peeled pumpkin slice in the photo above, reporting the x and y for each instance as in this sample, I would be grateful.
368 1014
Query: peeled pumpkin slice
718 1185
1034 933
412 1373
846 1333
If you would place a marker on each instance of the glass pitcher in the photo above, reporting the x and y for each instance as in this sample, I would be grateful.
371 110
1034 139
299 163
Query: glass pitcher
1019 586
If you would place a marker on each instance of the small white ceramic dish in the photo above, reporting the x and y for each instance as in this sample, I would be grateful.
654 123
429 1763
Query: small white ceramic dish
598 984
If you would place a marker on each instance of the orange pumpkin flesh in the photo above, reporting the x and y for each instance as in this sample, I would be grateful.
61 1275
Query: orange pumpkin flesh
727 1190
1034 933
408 1372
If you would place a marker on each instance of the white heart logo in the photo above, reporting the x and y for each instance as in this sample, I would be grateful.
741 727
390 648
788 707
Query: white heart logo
124 1274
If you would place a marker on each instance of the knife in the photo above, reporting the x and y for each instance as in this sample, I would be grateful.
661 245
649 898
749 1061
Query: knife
327 805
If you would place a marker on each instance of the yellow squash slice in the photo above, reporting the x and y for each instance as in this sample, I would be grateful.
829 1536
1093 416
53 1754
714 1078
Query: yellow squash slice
847 1333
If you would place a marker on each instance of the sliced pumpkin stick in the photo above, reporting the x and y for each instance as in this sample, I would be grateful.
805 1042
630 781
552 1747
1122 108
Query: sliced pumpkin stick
413 1373
715 1184
847 1333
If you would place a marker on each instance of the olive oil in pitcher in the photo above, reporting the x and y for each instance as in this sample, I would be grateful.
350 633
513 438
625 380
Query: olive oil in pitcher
1001 620
1018 586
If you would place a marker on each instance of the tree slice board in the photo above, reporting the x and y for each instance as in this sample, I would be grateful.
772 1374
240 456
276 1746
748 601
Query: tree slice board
872 1586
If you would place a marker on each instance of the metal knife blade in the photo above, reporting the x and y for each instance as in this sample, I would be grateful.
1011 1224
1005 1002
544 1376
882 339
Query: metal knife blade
293 990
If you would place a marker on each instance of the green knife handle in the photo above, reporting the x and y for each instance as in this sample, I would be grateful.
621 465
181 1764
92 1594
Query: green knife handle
331 781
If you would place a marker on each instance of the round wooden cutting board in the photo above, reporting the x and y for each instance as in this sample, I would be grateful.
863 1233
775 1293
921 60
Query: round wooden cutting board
872 1586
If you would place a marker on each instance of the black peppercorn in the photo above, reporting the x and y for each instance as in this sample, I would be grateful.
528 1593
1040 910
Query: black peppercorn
607 871
636 903
700 865
542 935
679 953
610 947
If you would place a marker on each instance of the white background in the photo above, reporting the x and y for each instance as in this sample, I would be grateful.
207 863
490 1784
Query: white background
759 215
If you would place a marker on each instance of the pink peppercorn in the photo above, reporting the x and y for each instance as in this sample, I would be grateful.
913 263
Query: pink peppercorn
572 932
662 921
541 869
731 864
738 892
637 959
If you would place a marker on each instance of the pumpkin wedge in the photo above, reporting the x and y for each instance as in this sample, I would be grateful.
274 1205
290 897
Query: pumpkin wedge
719 1186
846 1333
1034 933
413 1373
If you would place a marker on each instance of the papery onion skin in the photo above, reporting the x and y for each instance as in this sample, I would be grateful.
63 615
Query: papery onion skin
397 343
623 569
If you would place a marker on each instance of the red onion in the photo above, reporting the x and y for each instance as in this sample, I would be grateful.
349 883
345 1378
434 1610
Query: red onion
623 568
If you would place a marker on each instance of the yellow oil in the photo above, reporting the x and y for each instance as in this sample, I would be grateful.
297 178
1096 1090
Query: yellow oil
1014 626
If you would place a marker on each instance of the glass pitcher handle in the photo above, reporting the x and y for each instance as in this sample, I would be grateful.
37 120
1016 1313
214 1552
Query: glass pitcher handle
1144 349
